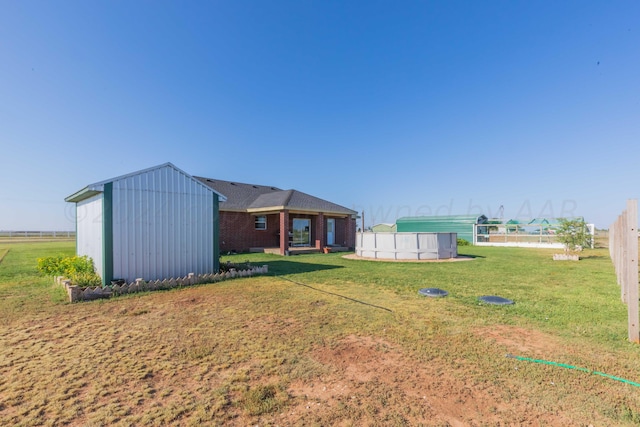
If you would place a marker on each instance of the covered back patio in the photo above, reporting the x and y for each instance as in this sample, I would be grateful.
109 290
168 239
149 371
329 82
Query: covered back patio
302 232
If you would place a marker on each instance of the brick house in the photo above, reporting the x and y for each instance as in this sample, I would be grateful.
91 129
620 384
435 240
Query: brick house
265 218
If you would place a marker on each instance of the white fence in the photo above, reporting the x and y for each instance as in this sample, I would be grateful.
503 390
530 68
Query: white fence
623 248
407 246
520 235
38 234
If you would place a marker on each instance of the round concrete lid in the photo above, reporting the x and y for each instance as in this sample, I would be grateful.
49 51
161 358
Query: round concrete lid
492 299
433 292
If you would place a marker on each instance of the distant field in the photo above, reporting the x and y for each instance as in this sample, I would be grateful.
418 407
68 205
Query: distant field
324 341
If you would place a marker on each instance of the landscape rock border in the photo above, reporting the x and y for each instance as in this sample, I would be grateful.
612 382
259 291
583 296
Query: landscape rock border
76 293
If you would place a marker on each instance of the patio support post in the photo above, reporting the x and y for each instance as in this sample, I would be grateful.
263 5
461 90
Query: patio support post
350 233
321 237
284 231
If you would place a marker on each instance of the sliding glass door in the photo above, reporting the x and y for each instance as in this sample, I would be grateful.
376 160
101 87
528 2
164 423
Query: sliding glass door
301 232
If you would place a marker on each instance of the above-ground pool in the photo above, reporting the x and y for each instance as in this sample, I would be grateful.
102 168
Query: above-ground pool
407 246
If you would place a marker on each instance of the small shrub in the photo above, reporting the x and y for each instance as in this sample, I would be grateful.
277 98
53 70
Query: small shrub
462 242
77 265
79 269
50 266
573 234
85 279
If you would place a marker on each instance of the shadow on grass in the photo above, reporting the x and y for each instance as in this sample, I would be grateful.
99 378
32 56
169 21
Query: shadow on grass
294 267
594 257
470 255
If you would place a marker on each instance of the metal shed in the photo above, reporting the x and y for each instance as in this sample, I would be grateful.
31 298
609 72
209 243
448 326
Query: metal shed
155 223
460 224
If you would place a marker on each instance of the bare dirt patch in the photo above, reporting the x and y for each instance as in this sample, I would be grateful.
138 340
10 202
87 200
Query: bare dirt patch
516 340
377 384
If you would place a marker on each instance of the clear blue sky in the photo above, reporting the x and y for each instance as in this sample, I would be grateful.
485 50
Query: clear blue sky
394 108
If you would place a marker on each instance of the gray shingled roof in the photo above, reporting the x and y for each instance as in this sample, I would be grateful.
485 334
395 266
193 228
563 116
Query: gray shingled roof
239 195
272 199
251 197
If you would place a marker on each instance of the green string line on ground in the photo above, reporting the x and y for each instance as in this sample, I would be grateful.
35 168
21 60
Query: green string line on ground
3 253
577 368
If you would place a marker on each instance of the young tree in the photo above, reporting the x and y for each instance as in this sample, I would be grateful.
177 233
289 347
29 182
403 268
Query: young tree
573 234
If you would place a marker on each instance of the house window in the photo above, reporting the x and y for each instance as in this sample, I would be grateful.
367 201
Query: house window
261 222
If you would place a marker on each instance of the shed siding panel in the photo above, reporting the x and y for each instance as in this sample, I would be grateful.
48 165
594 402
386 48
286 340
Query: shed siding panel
162 225
89 229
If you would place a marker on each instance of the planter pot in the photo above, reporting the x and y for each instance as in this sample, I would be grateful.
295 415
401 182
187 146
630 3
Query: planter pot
326 250
565 257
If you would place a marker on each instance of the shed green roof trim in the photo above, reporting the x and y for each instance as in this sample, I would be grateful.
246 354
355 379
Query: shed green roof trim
85 193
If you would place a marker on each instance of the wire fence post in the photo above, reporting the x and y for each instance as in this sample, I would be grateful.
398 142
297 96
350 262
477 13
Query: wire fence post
632 271
623 249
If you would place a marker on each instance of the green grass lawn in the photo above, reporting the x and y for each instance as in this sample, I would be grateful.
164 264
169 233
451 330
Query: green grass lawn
323 340
566 298
22 290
